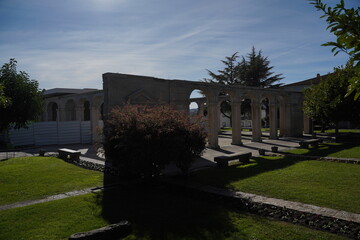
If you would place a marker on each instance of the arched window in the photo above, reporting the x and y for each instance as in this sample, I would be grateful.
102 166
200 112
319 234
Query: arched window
52 111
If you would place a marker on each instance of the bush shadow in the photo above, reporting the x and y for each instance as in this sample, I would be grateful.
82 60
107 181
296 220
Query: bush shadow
156 211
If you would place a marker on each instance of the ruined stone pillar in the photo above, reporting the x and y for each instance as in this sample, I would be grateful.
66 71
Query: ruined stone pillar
273 118
200 108
62 114
308 125
213 123
282 119
285 120
236 122
79 113
256 120
94 121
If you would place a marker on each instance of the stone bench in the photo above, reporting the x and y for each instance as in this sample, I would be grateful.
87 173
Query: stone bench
65 153
223 161
312 142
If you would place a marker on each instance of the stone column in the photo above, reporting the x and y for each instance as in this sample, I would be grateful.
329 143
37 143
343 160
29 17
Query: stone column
273 118
200 108
79 113
285 120
308 125
213 123
57 115
62 114
282 119
256 120
236 122
94 121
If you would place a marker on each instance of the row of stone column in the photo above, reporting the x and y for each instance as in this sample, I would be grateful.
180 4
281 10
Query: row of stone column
213 108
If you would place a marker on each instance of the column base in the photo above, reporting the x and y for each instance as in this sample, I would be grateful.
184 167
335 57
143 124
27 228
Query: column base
213 147
237 144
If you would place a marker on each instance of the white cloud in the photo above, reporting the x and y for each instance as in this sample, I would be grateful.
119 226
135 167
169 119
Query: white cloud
71 43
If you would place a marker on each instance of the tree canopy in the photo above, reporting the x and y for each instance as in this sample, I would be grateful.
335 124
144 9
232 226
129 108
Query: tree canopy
344 23
326 102
21 99
253 70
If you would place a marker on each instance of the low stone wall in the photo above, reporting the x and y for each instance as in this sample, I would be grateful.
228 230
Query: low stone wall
231 200
87 164
110 232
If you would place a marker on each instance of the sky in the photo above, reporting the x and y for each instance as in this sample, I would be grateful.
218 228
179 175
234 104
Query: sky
71 43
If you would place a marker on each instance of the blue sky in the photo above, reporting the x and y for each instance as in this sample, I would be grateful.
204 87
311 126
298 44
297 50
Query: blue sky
71 43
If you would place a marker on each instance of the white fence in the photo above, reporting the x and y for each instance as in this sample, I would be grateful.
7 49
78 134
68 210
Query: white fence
48 133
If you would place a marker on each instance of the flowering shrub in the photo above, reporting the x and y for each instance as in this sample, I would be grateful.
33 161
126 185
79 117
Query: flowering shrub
142 140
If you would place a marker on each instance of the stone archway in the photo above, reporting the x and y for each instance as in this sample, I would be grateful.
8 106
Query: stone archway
119 88
52 111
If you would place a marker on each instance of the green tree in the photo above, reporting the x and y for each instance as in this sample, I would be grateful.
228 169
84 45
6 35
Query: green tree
253 70
3 100
229 75
23 101
326 102
344 23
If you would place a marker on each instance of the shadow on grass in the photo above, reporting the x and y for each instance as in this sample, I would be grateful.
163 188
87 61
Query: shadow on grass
326 149
158 212
221 177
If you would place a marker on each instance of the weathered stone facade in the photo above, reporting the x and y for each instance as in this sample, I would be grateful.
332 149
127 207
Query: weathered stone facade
83 105
120 89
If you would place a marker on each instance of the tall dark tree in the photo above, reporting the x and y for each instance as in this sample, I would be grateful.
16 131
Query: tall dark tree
253 70
229 75
23 99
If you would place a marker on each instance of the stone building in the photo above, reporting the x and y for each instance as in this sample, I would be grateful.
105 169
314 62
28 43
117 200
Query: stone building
120 89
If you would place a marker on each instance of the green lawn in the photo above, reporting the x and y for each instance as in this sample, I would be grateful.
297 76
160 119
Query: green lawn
340 150
29 178
154 214
328 184
340 131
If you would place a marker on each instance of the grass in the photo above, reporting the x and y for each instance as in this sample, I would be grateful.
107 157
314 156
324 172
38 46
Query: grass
29 178
340 150
327 184
244 129
154 214
340 131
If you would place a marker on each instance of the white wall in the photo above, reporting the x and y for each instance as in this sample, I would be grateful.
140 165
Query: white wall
49 133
